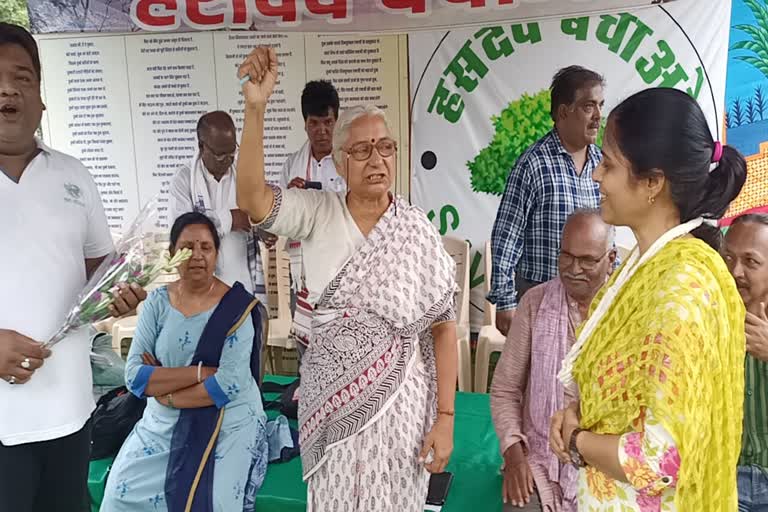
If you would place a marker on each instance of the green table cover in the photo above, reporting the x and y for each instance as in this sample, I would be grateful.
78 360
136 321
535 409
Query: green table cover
475 465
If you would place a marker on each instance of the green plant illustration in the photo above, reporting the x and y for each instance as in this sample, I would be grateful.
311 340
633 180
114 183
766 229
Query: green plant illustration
757 45
518 126
14 11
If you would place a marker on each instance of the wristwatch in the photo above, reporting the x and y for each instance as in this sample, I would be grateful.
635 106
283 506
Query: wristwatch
576 458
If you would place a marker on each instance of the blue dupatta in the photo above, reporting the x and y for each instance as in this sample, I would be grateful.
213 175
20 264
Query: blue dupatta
191 465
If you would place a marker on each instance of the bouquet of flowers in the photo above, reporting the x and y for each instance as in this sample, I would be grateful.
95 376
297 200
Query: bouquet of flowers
137 258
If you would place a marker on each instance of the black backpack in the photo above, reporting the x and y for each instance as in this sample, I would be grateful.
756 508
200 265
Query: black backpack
287 406
116 414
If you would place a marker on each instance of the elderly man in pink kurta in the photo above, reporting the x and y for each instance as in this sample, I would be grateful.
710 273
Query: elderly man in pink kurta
525 390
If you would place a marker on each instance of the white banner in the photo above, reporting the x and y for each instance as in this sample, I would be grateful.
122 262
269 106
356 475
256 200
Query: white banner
127 105
301 15
480 97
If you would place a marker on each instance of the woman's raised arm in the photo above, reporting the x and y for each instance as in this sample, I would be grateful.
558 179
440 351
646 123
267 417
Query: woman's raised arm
253 195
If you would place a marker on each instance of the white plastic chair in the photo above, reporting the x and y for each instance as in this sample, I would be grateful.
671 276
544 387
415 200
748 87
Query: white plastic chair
459 251
623 252
278 284
490 339
124 328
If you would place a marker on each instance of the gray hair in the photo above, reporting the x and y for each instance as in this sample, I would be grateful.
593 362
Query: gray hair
346 118
595 213
756 218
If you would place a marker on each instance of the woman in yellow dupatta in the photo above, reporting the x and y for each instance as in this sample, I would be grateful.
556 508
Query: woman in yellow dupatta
659 362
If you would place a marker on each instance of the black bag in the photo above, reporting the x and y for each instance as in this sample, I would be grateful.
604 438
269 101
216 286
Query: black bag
287 406
116 414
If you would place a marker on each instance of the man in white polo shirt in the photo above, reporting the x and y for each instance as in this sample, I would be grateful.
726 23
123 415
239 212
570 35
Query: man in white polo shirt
54 233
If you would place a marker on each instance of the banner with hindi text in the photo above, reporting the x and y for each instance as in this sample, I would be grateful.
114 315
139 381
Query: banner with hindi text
49 16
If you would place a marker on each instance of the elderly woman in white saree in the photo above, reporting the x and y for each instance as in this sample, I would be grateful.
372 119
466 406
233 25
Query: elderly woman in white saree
379 375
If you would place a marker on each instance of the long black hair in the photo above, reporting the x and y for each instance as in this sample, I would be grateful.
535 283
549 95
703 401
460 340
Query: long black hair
665 130
191 219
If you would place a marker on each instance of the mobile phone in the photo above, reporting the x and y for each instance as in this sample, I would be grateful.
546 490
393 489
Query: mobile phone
317 185
439 485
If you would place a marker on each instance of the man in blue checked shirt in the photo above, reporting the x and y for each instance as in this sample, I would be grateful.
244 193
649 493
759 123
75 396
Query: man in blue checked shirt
549 181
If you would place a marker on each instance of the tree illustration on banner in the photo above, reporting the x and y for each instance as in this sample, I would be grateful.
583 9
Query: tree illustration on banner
14 11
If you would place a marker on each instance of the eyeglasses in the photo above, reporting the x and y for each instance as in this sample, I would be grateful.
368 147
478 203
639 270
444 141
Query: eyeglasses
363 150
585 262
221 157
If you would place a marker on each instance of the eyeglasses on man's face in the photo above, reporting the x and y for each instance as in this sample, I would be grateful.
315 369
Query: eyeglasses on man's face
221 157
585 262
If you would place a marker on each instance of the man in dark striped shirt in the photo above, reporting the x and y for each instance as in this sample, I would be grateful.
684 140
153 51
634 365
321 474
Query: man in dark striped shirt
746 253
549 181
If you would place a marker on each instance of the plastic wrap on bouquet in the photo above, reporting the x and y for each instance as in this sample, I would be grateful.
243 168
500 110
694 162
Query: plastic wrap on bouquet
137 258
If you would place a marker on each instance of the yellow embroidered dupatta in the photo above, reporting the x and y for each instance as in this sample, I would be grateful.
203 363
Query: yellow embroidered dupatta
673 341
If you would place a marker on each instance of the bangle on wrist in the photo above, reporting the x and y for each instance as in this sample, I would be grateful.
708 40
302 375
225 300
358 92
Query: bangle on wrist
199 372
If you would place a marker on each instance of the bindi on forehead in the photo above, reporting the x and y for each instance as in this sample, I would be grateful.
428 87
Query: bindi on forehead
372 140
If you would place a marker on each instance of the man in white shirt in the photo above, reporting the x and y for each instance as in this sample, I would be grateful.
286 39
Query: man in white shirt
54 234
207 185
313 162
311 166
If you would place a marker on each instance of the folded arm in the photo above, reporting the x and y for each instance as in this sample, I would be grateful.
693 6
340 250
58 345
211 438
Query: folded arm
193 397
169 380
138 374
222 384
144 376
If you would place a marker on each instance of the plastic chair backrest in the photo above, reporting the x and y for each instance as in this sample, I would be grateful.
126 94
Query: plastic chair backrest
489 313
623 252
278 280
459 250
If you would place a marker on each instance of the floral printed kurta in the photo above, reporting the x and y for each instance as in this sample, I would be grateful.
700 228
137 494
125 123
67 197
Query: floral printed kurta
651 462
137 479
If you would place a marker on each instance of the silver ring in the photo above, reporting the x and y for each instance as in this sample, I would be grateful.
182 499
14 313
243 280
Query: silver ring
12 380
25 363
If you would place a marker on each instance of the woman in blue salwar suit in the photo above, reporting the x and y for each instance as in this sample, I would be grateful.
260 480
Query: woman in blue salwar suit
201 445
